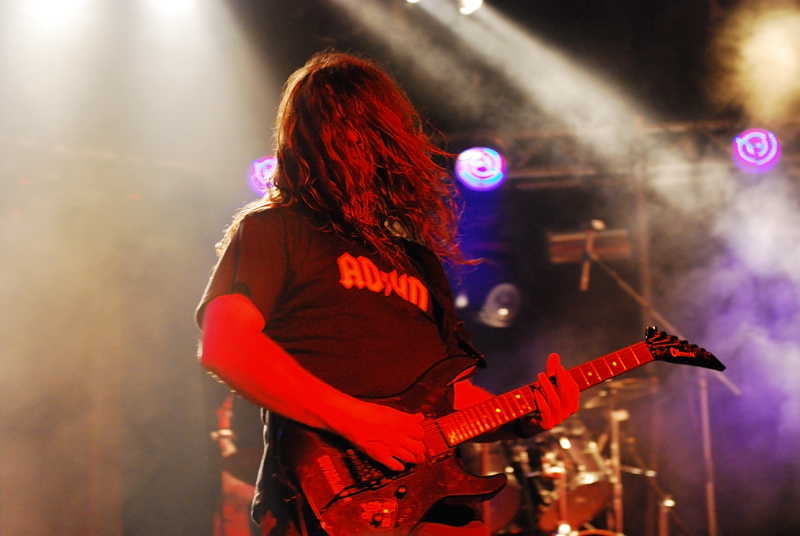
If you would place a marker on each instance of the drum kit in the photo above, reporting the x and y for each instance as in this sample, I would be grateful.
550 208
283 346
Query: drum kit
563 481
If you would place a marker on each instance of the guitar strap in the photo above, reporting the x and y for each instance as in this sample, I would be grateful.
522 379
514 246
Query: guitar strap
299 499
450 326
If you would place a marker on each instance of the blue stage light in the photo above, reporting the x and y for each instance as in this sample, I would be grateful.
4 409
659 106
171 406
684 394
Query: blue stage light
481 168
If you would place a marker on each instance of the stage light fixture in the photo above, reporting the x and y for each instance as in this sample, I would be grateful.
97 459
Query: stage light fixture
756 150
468 7
481 168
501 306
261 172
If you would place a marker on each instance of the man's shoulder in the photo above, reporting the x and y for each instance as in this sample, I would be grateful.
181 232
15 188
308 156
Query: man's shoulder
270 213
286 218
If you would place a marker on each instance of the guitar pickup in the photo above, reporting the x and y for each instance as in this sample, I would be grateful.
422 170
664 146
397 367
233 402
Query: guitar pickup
364 472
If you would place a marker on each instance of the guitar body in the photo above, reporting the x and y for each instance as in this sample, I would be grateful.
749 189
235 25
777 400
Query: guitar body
353 495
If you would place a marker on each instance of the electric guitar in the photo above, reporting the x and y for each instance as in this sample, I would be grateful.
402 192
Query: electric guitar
351 495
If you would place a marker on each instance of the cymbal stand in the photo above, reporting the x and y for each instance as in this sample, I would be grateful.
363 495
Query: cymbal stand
664 508
616 416
520 461
558 473
561 486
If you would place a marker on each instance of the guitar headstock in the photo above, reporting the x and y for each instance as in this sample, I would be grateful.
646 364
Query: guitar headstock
666 347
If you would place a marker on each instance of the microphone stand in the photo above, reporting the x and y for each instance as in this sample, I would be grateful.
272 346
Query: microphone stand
702 383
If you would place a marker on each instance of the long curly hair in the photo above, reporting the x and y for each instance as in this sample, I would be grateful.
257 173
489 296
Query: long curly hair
352 154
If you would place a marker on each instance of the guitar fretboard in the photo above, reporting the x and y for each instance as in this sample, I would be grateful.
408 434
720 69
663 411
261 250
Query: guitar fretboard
470 422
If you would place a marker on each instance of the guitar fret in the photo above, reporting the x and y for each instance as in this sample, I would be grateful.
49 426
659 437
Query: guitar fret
453 438
580 378
475 419
473 423
486 414
641 348
485 425
628 358
508 410
458 425
463 427
482 420
519 402
591 373
513 411
615 364
497 412
447 430
452 432
530 402
530 399
516 411
502 403
455 432
603 371
517 398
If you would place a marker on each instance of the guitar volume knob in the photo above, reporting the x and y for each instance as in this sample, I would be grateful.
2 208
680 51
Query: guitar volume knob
401 492
376 521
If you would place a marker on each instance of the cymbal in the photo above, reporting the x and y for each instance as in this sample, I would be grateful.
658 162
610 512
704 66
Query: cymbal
622 390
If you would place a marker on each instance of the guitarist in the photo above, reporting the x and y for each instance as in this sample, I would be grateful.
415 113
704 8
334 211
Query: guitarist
329 291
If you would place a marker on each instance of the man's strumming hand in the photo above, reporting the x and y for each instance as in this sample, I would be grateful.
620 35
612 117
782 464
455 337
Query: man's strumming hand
386 435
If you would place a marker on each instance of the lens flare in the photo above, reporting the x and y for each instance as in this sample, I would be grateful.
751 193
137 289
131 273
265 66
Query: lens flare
756 150
481 168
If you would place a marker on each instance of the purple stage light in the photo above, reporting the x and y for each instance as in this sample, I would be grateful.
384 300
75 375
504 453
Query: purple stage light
756 150
261 172
481 168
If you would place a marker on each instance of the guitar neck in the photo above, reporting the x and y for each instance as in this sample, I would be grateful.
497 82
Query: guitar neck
468 423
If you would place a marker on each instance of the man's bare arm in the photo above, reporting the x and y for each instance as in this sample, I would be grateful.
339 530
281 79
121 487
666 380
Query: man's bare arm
235 349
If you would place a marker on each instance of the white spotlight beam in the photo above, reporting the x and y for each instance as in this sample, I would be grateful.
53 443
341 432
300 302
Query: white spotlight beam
441 67
554 83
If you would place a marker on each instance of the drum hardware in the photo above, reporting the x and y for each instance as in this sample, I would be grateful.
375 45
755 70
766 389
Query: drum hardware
616 416
562 477
579 473
490 459
520 461
664 509
638 471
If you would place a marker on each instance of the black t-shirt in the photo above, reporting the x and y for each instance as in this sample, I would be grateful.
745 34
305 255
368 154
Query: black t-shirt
344 314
